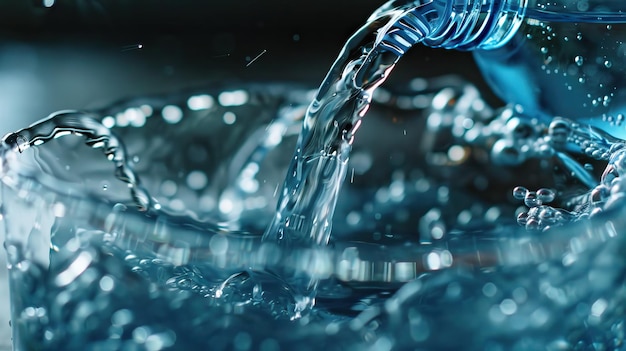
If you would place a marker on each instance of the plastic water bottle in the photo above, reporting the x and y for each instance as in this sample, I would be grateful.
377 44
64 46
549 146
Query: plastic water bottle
567 58
550 57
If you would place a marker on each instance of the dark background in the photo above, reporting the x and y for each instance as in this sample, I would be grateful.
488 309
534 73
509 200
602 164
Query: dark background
60 54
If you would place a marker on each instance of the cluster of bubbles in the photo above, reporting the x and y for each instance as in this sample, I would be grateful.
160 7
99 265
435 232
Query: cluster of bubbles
567 145
539 216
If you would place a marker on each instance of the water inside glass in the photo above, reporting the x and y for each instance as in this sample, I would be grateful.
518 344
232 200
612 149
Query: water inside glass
425 239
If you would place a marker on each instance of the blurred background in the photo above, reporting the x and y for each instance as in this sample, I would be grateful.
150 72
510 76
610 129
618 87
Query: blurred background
59 54
77 54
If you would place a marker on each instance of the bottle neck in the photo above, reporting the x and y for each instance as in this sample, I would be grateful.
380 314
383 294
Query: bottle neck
476 24
481 24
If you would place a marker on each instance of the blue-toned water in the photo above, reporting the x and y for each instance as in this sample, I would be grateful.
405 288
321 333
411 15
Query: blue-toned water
174 230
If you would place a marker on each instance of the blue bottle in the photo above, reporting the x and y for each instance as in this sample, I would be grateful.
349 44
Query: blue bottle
551 57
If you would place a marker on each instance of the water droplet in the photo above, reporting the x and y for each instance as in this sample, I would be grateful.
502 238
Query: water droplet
579 60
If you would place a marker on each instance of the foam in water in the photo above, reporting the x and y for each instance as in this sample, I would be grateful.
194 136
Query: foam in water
168 276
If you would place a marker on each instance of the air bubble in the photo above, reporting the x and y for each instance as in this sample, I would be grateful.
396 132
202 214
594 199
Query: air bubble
531 199
108 122
520 192
559 132
545 195
172 114
522 218
229 117
200 102
233 98
533 224
197 180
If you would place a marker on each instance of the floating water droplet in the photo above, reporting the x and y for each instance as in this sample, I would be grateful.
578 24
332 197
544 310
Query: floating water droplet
579 60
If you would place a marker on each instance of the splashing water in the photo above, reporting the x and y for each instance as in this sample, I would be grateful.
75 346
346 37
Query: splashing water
318 168
419 251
